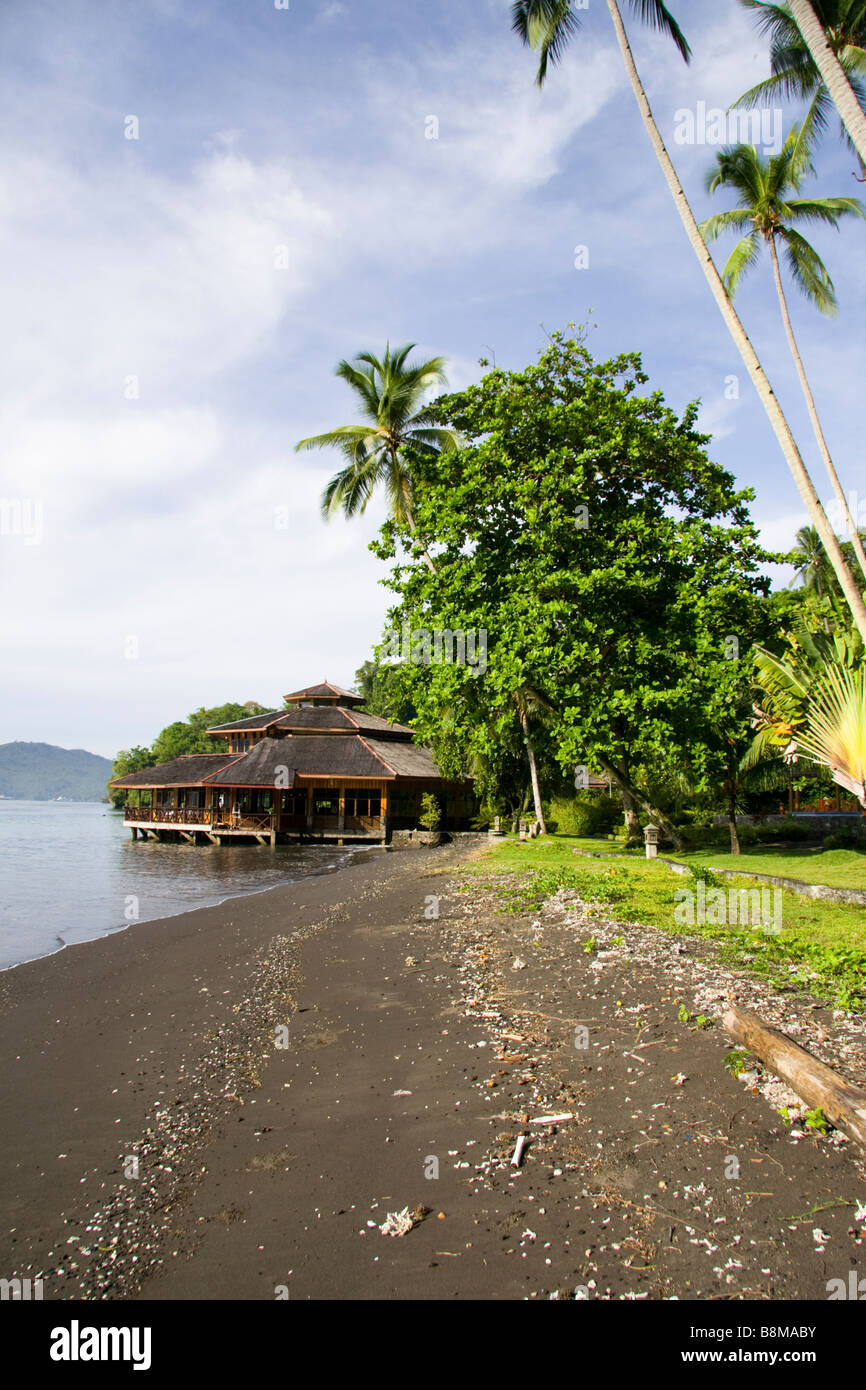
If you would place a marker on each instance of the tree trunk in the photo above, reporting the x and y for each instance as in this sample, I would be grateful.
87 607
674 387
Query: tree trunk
732 815
657 816
738 333
533 770
813 411
837 84
632 820
843 1103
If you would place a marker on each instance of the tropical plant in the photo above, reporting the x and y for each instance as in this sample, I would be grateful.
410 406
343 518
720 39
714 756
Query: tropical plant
547 26
794 72
812 703
399 430
810 562
768 214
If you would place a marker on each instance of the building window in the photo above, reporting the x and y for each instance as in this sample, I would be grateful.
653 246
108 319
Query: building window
363 803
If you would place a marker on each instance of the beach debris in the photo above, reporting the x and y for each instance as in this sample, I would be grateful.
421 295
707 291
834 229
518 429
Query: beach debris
519 1149
400 1223
552 1119
519 963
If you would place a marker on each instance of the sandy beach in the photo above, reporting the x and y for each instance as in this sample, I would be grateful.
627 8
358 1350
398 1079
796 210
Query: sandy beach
229 1103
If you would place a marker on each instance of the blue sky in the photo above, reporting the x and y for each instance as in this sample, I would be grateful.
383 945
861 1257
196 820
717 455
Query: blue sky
158 364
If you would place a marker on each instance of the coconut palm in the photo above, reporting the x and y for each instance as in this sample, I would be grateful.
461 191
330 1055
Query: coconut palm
399 430
819 37
810 558
547 26
794 72
768 214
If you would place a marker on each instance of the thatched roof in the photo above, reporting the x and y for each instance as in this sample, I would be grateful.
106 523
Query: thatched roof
404 759
315 755
325 691
191 770
330 717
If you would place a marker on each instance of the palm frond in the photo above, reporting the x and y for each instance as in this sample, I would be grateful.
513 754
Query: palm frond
744 256
809 272
546 26
658 16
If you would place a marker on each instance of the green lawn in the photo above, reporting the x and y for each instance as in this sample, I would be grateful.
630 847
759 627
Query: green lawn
824 942
837 868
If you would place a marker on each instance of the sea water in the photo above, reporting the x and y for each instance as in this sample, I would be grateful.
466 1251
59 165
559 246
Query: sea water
70 872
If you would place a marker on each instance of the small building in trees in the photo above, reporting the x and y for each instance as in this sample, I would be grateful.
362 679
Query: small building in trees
321 768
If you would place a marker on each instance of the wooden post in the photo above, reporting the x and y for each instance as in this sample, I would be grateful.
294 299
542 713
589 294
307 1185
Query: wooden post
843 1103
383 819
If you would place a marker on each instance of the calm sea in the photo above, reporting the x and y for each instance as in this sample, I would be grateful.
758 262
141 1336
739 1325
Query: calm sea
70 872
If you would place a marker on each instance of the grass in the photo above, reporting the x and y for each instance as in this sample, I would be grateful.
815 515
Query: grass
837 868
821 947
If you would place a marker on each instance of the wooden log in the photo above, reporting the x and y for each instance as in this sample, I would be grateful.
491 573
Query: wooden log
843 1103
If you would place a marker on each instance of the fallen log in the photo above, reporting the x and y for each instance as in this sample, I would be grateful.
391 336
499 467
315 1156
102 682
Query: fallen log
843 1103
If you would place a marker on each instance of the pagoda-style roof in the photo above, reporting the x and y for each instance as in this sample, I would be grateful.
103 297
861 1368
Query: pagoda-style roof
280 761
190 770
329 738
333 694
330 718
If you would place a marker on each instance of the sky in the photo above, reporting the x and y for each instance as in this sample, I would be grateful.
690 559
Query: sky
203 208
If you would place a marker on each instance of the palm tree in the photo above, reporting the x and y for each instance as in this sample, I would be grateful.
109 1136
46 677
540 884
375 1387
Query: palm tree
547 25
528 701
811 561
768 214
400 430
795 72
818 38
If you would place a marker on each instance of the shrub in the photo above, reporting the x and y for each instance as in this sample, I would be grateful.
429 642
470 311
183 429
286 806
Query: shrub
585 815
845 840
430 813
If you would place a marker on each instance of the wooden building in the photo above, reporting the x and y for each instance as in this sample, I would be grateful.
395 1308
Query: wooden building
319 769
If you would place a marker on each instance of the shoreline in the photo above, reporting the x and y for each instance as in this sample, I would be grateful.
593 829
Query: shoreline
92 1040
164 1142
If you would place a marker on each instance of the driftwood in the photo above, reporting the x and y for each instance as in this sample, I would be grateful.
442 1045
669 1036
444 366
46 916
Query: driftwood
843 1103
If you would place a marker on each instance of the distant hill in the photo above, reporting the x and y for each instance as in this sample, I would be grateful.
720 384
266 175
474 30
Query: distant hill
42 772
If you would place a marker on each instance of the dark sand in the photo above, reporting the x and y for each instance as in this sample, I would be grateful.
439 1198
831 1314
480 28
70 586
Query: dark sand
410 1039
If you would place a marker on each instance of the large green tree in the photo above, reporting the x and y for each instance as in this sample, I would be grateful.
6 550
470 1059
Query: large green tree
611 564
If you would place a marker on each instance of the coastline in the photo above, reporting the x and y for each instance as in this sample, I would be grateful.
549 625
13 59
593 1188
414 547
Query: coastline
416 1049
95 1037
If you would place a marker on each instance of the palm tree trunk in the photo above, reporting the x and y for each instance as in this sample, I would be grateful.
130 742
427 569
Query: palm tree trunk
813 410
831 70
533 770
741 338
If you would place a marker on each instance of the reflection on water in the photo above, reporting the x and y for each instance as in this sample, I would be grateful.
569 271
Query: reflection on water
70 872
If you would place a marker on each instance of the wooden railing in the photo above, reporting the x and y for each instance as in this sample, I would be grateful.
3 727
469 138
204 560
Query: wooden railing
212 818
